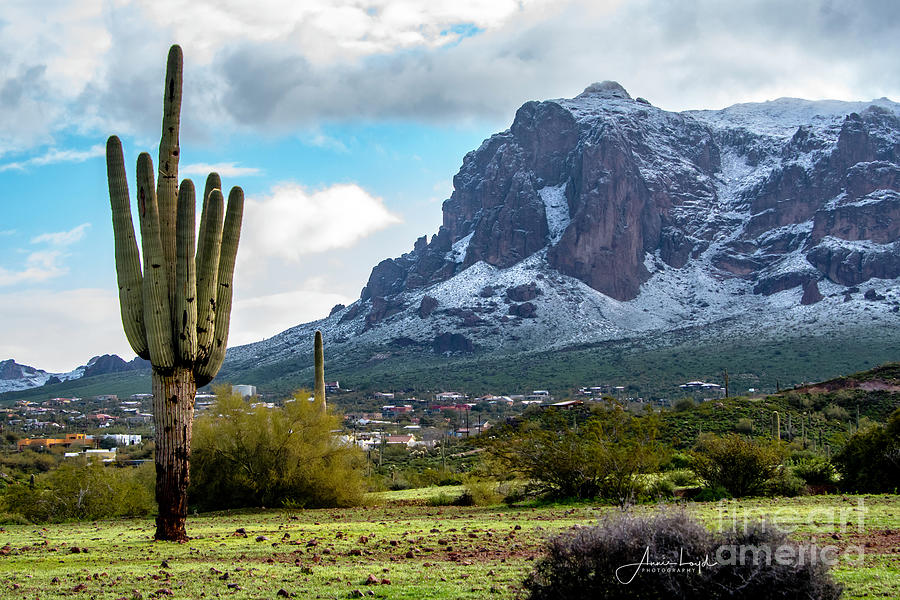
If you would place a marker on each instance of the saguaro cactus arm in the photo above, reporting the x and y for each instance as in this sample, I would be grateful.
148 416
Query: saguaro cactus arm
128 259
230 236
207 273
169 151
157 312
185 277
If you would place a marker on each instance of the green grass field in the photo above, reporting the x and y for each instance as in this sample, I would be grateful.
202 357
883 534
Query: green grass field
412 550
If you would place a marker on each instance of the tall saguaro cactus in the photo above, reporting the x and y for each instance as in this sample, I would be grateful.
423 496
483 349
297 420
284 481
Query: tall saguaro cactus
176 306
319 359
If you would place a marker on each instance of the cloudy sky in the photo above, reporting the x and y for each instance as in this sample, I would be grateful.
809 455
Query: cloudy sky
344 121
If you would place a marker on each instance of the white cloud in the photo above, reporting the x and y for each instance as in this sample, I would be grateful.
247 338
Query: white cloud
39 266
294 221
57 331
326 142
62 238
95 66
260 317
227 169
53 156
42 265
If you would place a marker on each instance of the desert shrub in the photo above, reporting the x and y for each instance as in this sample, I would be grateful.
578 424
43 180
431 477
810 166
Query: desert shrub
712 494
13 519
683 405
814 470
676 460
29 461
783 482
835 412
741 466
480 492
442 499
605 562
682 477
601 456
870 460
749 566
659 488
744 426
512 492
430 476
80 491
247 456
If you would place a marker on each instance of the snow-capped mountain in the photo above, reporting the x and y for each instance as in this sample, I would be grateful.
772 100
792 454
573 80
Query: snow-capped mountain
15 377
602 217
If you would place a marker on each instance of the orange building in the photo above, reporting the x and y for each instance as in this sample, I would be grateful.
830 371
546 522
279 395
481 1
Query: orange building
79 439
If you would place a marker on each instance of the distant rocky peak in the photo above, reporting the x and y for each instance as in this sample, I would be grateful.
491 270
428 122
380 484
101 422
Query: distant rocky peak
778 194
606 89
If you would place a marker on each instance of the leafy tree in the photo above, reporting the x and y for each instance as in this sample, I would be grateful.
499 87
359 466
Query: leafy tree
739 465
284 456
870 460
77 490
600 456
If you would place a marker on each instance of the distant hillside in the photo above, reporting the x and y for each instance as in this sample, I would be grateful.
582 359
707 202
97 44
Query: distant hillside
829 408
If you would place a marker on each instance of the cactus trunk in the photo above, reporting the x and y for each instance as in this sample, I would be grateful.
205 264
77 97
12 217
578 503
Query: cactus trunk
173 417
319 352
176 310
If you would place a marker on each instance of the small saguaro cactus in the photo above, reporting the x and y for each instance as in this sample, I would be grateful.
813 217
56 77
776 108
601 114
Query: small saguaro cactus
176 310
319 394
777 421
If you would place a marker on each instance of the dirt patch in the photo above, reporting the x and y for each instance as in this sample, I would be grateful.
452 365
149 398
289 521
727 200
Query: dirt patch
876 541
878 386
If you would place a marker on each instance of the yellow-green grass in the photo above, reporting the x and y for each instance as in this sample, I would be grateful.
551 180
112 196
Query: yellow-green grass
416 495
425 552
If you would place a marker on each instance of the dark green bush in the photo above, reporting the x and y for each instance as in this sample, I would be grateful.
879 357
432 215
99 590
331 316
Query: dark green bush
739 465
783 483
870 460
601 456
610 561
684 404
816 471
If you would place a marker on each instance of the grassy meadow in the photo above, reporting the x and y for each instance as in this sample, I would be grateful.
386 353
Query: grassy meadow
408 548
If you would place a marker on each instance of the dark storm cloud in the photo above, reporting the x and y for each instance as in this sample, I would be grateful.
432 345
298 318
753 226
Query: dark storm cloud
679 54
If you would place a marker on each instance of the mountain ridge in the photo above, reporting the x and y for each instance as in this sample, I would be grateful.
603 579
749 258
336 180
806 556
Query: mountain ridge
16 377
764 219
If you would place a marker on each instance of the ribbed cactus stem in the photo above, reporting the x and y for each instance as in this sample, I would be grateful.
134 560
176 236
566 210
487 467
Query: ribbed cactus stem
128 259
185 277
169 151
210 244
213 182
231 235
319 353
777 426
157 313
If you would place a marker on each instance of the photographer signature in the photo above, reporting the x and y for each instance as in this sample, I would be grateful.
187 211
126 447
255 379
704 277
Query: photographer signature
646 562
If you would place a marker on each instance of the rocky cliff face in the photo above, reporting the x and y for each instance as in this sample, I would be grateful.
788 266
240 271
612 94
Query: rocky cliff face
601 181
624 218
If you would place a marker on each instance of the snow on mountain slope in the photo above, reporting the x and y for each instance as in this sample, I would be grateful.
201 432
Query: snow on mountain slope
602 217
